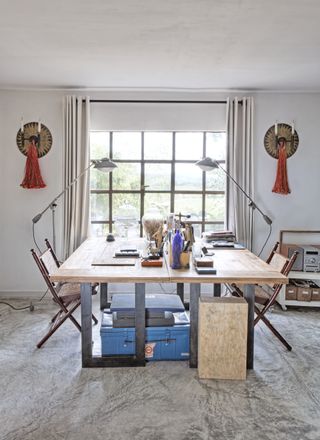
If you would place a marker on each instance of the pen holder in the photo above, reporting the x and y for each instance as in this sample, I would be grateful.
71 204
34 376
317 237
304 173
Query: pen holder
184 257
185 260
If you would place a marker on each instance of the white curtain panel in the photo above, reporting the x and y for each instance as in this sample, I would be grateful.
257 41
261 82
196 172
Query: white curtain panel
76 159
240 166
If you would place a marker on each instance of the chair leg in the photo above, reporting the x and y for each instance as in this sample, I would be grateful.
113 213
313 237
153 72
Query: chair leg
75 322
275 332
59 322
56 315
76 305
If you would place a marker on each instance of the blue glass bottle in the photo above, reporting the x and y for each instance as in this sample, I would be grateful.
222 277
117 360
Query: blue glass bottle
177 244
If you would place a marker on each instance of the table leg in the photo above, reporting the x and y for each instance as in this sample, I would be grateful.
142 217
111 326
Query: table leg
217 289
249 297
194 313
104 304
140 321
86 324
88 360
180 293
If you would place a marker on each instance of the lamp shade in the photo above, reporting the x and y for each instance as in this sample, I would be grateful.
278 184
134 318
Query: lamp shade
105 165
207 164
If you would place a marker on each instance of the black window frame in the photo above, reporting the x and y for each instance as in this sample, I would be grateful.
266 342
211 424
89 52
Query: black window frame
143 190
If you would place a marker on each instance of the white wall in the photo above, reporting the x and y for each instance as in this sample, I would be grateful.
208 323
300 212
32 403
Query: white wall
300 209
18 206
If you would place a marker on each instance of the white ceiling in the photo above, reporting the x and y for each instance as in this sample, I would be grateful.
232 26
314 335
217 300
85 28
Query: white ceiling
160 44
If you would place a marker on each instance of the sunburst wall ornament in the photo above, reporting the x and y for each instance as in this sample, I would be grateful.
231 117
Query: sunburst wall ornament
281 130
34 140
281 141
34 129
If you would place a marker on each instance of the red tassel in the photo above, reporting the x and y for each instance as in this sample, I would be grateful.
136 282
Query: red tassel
32 175
281 185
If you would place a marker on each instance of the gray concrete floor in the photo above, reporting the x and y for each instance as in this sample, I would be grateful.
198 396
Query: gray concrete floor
46 395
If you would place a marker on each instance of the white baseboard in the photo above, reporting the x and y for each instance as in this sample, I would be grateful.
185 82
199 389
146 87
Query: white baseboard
21 294
113 288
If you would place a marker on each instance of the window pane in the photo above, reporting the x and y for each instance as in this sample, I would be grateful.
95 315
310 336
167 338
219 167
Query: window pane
99 230
98 180
189 146
189 204
216 145
99 144
127 176
158 146
188 177
215 207
157 176
159 201
214 228
126 214
99 207
197 230
126 145
216 180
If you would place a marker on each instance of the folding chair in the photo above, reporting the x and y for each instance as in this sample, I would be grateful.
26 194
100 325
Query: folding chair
66 295
94 286
266 296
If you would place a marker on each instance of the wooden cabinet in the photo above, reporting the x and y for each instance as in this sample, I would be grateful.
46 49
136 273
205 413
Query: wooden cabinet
222 338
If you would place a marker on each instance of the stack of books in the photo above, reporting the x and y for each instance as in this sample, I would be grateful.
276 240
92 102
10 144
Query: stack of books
224 238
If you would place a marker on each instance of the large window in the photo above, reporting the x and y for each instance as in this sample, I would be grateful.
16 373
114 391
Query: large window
156 171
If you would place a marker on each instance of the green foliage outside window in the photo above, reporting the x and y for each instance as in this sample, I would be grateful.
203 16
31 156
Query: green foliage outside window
127 187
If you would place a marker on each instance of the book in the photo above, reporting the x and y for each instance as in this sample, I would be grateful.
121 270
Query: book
127 253
152 263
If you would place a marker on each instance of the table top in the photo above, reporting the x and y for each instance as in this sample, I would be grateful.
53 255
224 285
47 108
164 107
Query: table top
232 265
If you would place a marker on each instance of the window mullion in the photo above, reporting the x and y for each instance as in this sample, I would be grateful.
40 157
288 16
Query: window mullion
142 183
173 171
110 184
203 186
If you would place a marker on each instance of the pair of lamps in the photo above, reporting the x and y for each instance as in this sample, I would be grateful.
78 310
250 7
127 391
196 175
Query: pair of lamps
107 166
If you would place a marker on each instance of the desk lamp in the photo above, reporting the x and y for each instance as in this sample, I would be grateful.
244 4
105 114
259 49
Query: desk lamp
105 165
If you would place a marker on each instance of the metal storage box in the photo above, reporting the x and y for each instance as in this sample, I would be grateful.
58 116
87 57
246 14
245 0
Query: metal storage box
165 302
162 343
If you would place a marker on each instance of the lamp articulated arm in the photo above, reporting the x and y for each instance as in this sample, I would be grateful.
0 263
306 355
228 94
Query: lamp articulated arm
207 164
106 165
251 202
52 203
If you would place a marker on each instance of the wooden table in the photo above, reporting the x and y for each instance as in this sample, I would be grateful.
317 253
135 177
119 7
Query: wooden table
238 266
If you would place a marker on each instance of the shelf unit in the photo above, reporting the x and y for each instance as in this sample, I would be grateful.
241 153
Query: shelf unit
283 302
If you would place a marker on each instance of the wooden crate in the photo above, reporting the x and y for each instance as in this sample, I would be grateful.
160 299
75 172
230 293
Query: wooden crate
291 292
222 352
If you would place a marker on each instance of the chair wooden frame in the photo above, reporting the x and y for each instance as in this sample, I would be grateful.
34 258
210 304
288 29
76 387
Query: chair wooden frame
284 265
66 295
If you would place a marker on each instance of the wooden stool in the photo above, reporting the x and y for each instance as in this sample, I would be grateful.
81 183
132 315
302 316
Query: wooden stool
223 324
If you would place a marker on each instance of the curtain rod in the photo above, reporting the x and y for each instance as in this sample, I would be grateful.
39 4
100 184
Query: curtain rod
138 101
